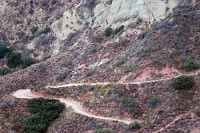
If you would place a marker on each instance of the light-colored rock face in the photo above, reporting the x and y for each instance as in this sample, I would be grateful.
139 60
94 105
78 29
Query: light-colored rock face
125 11
70 22
120 12
115 14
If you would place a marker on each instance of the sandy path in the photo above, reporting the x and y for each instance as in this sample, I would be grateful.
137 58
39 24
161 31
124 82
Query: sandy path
76 106
122 83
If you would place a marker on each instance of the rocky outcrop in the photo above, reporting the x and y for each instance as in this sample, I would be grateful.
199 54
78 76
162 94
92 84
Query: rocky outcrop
117 13
127 11
68 23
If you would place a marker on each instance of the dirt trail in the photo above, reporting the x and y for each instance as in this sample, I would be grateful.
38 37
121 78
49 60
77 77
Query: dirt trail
76 106
174 121
122 83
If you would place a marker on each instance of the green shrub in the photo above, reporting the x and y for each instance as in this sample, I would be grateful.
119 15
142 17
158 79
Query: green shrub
121 61
13 59
91 50
144 33
134 126
6 115
39 105
119 29
128 103
3 51
34 124
190 65
90 72
27 62
5 71
154 100
102 130
108 32
139 20
115 45
183 82
44 31
34 30
44 112
129 67
97 39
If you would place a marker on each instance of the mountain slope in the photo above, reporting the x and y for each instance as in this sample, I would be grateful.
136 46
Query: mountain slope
153 45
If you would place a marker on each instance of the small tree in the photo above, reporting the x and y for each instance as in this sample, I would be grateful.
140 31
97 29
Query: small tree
134 126
5 71
3 51
27 61
144 33
190 65
129 67
154 100
183 82
108 32
118 29
128 103
44 111
13 59
34 29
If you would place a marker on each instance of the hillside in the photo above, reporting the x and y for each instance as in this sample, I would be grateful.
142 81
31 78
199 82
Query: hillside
118 66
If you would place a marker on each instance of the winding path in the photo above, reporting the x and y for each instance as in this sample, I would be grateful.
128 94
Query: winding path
76 106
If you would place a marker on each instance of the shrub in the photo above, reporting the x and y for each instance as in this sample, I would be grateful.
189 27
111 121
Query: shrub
128 103
102 130
115 45
5 71
44 31
119 29
90 4
134 126
43 105
109 2
34 123
70 39
92 50
27 62
61 77
6 115
190 65
145 52
129 67
154 100
139 20
13 59
90 72
44 111
97 39
34 30
144 33
183 82
108 32
121 61
21 34
3 51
